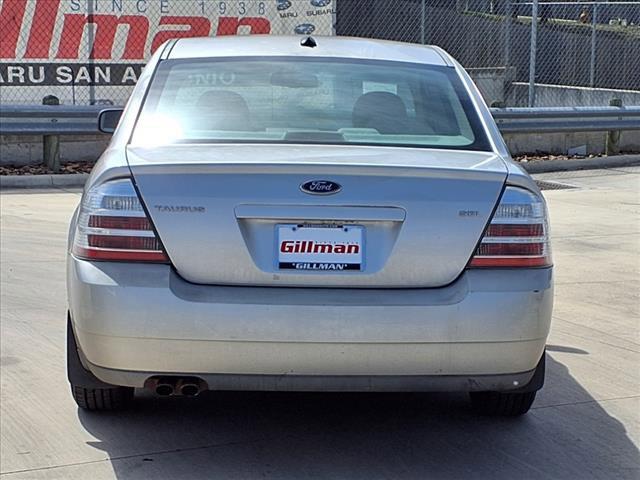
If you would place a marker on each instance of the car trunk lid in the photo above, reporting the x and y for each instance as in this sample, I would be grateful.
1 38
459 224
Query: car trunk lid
234 214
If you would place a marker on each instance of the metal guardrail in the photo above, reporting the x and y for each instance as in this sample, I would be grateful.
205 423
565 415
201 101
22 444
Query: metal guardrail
561 120
83 120
49 119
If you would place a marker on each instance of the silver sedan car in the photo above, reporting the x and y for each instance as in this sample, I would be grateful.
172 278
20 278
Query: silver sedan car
307 214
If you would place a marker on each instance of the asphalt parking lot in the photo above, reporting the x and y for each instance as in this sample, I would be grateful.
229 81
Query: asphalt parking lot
585 423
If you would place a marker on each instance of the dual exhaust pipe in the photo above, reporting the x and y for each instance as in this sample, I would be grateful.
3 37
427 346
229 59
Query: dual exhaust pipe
166 386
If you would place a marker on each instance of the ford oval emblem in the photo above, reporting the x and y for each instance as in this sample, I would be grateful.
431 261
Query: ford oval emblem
320 187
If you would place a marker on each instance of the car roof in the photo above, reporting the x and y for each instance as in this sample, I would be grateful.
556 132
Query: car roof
338 47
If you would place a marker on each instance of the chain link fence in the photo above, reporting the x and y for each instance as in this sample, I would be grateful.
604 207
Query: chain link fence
92 51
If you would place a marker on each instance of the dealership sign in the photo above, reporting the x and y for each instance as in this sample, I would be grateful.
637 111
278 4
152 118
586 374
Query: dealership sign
86 51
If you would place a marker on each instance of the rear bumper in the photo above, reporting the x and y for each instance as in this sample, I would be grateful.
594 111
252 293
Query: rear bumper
334 383
485 331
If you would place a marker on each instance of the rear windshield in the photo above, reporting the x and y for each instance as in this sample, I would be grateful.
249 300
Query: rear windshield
302 100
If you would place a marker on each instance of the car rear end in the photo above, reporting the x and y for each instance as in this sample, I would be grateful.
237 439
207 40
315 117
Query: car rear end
305 248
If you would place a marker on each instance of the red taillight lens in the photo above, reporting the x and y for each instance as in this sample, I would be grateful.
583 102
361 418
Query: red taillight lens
122 223
517 235
510 249
502 230
124 243
112 225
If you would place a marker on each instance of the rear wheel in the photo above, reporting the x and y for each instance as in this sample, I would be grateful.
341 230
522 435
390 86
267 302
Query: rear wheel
511 403
89 392
502 403
102 399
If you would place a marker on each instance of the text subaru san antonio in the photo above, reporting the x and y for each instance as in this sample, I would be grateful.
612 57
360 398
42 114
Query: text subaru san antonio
329 214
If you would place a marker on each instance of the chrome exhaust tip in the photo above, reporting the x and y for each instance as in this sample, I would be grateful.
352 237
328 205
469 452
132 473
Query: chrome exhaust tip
165 387
190 389
169 385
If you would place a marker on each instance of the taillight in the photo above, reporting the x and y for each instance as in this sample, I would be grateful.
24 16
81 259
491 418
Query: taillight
518 235
112 225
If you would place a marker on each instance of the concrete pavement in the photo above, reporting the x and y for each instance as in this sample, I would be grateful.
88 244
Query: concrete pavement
585 423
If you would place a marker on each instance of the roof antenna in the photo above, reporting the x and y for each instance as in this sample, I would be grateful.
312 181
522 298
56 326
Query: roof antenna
308 42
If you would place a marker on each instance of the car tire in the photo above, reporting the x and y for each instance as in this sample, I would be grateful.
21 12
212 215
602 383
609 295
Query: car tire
504 404
88 391
102 399
511 403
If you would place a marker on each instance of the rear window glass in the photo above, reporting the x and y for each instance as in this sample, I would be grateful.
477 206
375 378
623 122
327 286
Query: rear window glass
302 100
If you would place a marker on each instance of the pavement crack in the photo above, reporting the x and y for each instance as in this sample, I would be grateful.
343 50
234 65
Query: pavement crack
584 402
127 457
601 332
595 236
595 282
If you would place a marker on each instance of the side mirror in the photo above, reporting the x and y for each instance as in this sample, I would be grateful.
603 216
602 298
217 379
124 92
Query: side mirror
108 119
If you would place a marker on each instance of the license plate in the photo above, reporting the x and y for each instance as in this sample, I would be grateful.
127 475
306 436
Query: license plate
332 248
